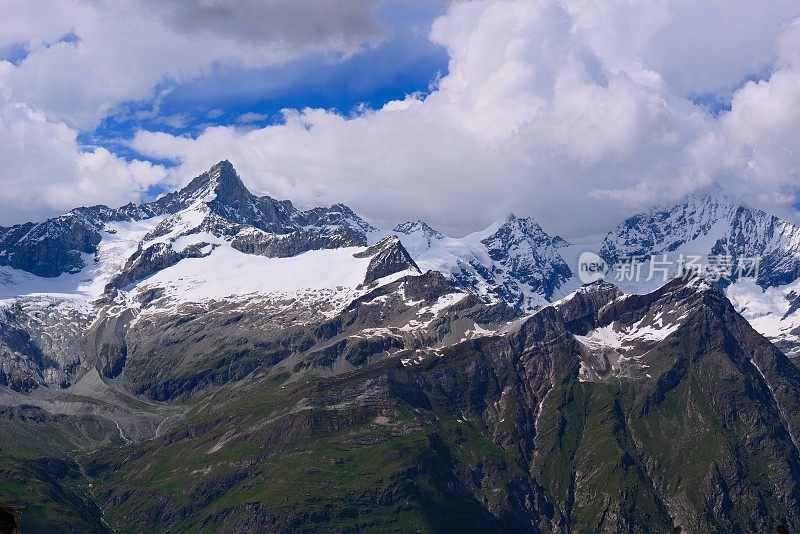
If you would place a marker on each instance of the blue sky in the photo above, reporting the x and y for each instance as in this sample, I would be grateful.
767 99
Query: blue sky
406 62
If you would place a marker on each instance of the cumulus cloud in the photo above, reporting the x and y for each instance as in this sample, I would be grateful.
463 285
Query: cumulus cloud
83 59
575 111
119 50
45 171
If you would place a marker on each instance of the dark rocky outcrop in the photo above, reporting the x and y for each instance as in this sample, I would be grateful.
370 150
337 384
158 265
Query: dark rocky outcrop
388 257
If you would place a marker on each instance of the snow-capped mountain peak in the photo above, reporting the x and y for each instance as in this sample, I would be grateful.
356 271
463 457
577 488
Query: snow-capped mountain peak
420 231
528 254
221 180
710 225
662 230
513 260
515 229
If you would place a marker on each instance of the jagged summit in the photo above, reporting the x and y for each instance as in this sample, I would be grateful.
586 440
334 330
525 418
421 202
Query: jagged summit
221 180
517 229
529 255
419 232
388 257
521 227
710 225
619 331
215 203
411 227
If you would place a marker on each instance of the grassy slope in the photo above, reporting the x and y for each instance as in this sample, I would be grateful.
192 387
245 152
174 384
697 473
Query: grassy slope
341 468
444 446
38 474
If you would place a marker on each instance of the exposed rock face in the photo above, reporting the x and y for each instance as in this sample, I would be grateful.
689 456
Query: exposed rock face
388 257
580 311
529 255
22 363
49 248
297 242
105 343
153 259
176 354
519 430
513 261
40 344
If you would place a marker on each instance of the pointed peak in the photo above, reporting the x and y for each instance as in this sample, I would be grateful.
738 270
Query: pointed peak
418 226
224 174
223 165
560 242
514 220
389 256
388 242
526 225
220 181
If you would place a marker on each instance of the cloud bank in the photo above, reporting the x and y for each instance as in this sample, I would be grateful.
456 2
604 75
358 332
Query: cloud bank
82 60
577 112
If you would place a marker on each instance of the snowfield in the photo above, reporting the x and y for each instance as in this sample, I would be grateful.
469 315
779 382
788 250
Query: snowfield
227 272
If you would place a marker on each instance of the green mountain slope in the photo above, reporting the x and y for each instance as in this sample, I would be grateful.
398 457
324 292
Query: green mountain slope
504 432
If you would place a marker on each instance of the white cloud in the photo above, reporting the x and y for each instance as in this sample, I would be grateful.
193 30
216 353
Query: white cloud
577 112
122 49
251 116
45 171
86 58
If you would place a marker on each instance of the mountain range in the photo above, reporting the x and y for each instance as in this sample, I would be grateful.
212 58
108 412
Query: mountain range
215 360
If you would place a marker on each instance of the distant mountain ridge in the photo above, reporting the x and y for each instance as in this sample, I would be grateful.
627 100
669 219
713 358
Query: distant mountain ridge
714 226
54 246
512 261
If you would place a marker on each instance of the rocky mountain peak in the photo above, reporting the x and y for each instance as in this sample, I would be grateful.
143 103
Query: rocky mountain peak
420 231
517 229
529 255
580 309
221 182
220 192
711 225
411 227
388 257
